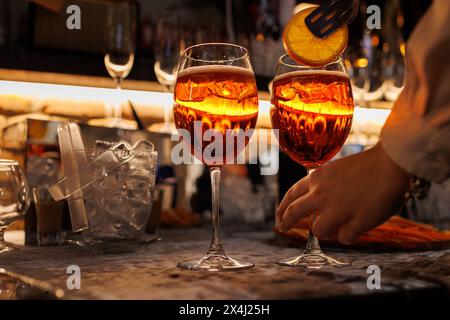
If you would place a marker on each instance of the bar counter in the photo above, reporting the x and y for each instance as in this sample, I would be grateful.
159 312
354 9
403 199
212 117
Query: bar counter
148 271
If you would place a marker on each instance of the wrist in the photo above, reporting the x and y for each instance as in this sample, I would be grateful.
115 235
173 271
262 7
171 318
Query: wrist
399 176
413 187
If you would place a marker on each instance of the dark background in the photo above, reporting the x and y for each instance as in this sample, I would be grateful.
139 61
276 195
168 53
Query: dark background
20 48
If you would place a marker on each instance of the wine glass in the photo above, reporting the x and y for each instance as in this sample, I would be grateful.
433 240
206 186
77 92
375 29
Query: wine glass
358 68
168 48
395 71
312 109
120 47
215 95
14 197
365 62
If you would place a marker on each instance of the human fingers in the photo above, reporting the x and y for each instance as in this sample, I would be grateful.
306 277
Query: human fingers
297 190
327 225
351 231
296 210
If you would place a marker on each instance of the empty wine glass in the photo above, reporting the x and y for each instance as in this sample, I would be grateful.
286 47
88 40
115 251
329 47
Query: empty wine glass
120 46
14 197
366 70
357 66
395 71
394 48
169 45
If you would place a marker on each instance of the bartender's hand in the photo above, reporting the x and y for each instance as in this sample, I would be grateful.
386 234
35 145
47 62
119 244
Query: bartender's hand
351 195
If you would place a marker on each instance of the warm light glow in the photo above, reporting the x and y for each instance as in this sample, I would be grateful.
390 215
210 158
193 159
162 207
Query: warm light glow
302 6
375 40
365 115
42 91
402 49
260 37
361 63
400 21
366 119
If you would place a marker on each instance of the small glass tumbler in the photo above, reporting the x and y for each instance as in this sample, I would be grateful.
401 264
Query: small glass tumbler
49 216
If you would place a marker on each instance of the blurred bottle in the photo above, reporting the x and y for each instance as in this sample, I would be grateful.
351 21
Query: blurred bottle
147 39
265 41
365 63
42 168
267 25
166 184
5 23
375 86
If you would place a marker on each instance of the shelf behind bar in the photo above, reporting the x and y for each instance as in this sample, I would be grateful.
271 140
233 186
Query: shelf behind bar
76 80
148 96
129 84
86 81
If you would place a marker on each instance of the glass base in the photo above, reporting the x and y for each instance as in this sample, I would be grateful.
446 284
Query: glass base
312 261
6 247
214 262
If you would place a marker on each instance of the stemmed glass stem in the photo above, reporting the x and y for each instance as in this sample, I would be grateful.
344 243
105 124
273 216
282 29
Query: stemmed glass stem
312 257
216 247
167 117
117 108
313 245
2 239
215 259
118 82
3 245
167 110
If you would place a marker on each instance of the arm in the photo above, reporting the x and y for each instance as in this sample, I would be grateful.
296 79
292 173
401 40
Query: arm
352 195
357 193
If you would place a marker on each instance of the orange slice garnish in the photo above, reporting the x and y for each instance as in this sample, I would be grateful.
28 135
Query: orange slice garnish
305 48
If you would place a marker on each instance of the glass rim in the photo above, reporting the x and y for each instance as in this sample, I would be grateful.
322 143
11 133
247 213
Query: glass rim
338 59
243 56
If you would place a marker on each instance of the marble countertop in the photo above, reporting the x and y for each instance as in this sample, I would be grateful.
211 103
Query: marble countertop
148 271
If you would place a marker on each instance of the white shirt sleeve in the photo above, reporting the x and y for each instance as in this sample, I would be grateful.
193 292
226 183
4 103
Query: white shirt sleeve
416 135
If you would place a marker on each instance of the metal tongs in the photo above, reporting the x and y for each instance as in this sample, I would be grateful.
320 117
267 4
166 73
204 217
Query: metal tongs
73 157
80 173
109 161
330 15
